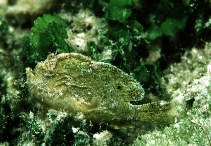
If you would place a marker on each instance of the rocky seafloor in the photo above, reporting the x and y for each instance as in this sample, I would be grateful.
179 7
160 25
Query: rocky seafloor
185 77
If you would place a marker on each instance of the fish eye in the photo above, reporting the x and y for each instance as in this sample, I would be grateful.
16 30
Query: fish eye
119 87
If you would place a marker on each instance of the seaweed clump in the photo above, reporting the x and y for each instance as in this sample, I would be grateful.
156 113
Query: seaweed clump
47 35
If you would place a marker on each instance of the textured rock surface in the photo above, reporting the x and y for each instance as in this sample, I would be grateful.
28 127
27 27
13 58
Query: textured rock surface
190 78
25 7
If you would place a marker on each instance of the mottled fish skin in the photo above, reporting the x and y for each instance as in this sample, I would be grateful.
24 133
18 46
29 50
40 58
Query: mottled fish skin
103 93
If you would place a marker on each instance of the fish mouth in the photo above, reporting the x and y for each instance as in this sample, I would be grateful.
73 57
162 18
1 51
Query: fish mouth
136 102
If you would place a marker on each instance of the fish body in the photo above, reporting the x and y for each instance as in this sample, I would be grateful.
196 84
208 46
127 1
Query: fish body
100 91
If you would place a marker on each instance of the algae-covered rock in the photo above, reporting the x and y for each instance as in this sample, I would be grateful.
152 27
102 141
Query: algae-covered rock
25 7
